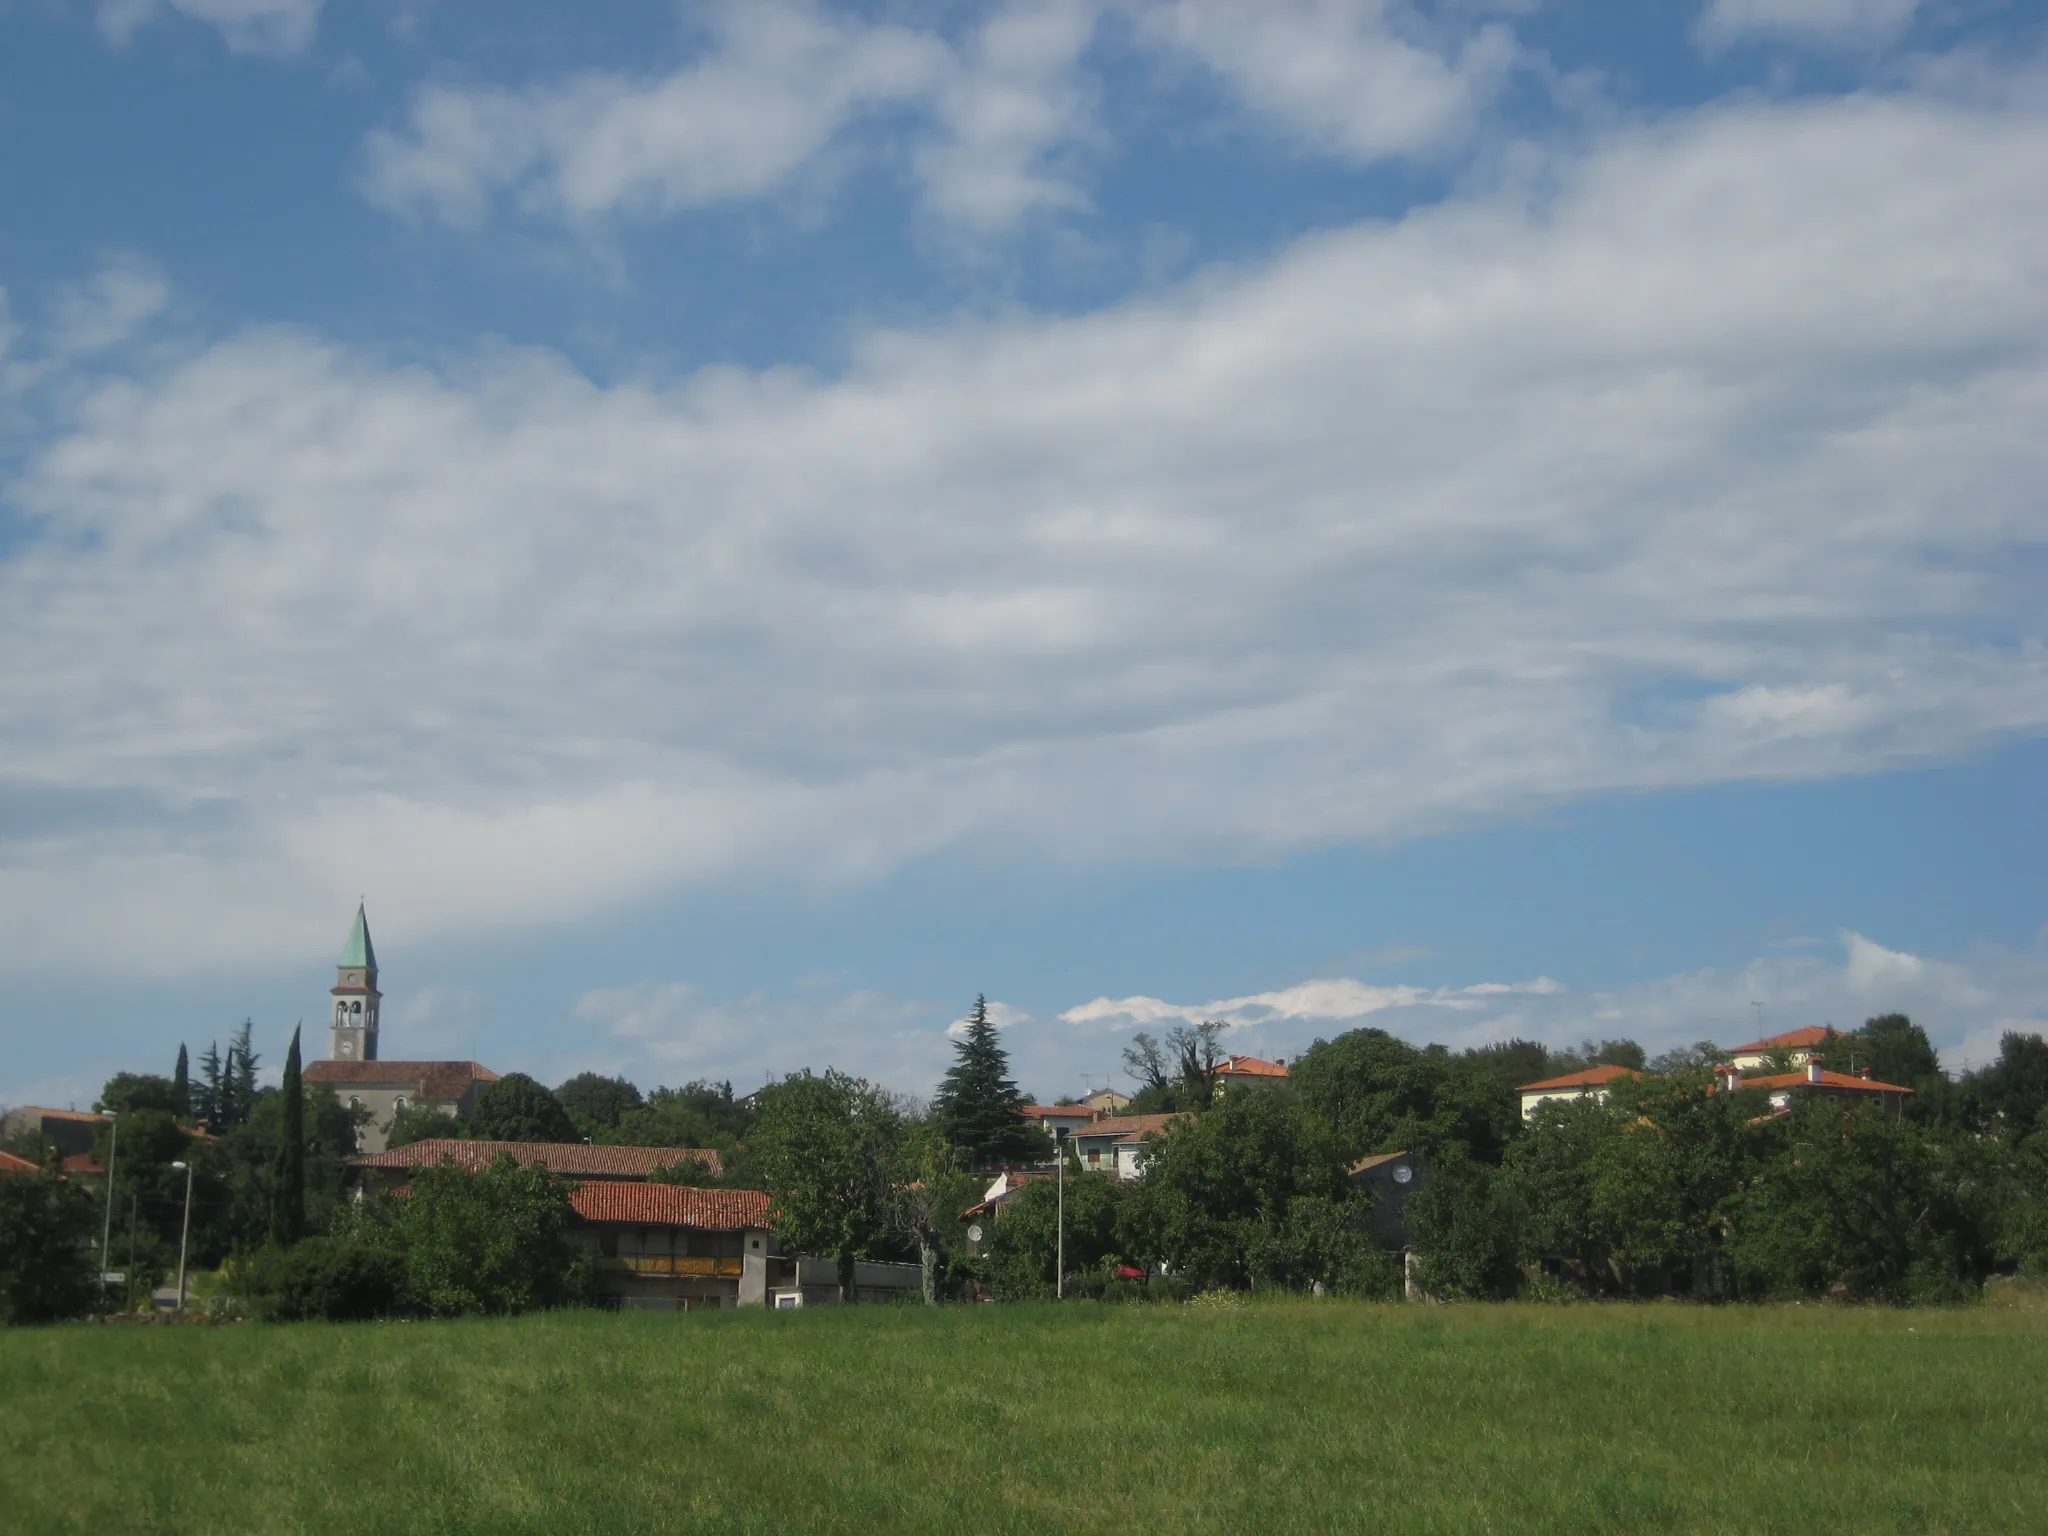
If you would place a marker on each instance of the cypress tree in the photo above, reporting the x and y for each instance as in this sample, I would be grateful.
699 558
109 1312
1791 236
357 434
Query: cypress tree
288 1172
181 1083
977 1106
242 1061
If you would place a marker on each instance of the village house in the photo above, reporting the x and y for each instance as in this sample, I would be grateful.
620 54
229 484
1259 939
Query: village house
658 1247
1594 1083
1107 1101
1115 1145
1236 1071
1814 1080
1059 1121
71 1131
1796 1048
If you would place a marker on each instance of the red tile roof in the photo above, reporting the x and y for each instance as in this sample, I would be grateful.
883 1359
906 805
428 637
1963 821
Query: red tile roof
66 1114
571 1159
442 1082
82 1163
9 1163
1247 1066
673 1205
1378 1160
1791 1040
1840 1080
1592 1077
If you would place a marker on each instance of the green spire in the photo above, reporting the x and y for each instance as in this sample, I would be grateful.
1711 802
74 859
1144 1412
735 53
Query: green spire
358 950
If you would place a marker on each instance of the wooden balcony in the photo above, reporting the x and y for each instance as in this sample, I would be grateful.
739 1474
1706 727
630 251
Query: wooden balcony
676 1264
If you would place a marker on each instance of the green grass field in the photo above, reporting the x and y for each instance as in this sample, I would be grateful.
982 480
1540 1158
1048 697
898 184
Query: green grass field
1307 1417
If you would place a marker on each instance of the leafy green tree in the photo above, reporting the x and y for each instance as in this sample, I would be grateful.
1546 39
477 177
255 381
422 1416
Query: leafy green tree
47 1232
138 1090
827 1147
424 1122
495 1242
1176 1075
929 1191
1466 1241
1700 1056
698 1114
2011 1092
597 1103
978 1107
1215 1202
181 1084
1023 1243
1375 1093
1548 1180
288 1171
516 1108
1864 1201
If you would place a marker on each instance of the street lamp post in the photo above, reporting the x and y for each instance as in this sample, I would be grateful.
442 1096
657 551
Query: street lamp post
1059 1180
184 1236
107 1227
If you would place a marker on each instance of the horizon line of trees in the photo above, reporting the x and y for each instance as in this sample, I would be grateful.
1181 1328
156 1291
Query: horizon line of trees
1671 1187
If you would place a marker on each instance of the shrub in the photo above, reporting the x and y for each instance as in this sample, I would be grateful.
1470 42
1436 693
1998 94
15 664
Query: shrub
332 1279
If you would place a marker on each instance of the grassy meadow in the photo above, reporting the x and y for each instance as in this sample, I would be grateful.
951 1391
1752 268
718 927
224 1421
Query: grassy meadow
1270 1419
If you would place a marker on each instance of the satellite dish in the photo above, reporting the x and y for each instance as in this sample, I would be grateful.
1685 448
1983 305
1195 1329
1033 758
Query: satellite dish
1403 1174
974 1233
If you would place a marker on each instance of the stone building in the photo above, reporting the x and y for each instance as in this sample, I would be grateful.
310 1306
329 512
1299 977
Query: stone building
353 1069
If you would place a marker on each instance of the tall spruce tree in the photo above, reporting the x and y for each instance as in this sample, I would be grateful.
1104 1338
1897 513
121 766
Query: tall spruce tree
181 1083
978 1107
207 1102
242 1059
288 1171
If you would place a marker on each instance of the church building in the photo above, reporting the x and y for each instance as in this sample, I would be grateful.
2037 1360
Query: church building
356 1074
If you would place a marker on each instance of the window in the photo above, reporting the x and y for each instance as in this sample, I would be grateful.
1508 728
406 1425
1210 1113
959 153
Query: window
399 1102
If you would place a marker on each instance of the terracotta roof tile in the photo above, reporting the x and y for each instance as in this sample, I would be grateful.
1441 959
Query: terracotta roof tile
440 1081
1377 1160
1841 1080
673 1205
1247 1066
571 1159
1791 1040
9 1163
67 1114
82 1163
1592 1077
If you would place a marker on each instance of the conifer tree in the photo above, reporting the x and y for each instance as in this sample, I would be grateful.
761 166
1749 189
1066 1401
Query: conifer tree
288 1172
181 1083
978 1107
242 1059
207 1107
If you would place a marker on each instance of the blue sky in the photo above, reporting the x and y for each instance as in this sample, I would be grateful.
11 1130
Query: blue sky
738 527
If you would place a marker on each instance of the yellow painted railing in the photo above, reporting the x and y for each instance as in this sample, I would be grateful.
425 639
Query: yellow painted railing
666 1264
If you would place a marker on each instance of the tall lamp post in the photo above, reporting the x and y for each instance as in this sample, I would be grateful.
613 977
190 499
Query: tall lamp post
1059 1180
107 1227
184 1236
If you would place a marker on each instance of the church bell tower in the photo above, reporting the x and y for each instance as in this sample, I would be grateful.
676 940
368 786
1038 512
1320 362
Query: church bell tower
355 997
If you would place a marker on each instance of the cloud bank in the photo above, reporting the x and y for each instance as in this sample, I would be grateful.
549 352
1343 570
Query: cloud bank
1714 454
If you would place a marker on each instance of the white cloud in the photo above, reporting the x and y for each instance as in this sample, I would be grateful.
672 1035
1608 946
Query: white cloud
1362 79
1825 23
1964 1003
1338 999
677 1033
1002 1015
1010 104
777 82
1709 464
247 26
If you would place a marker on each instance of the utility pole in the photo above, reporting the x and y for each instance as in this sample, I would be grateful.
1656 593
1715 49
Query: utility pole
107 1226
1059 1180
184 1236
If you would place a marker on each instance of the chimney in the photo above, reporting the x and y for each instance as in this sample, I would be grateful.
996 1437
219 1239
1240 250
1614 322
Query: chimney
1813 1071
1279 1061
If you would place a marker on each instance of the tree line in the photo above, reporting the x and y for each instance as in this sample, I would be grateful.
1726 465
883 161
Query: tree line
1672 1186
